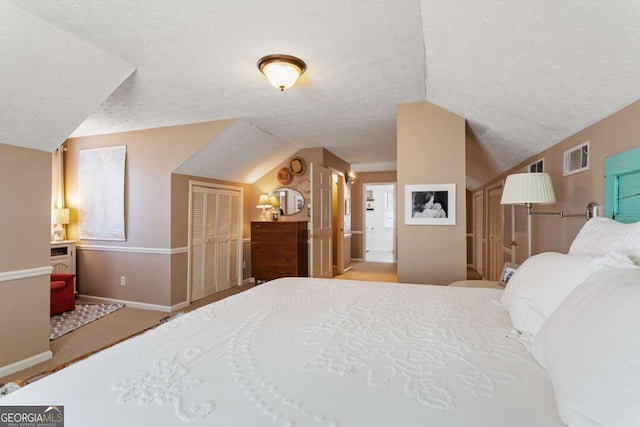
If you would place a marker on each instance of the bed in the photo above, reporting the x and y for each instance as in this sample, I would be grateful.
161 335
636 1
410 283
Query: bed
321 352
297 352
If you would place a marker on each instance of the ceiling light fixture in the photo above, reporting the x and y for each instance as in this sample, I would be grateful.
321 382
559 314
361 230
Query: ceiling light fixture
282 71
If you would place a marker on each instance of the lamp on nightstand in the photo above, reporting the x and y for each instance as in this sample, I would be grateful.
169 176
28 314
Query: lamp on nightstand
59 218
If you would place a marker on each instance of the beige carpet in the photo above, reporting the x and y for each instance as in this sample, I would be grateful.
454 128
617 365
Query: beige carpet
103 333
371 271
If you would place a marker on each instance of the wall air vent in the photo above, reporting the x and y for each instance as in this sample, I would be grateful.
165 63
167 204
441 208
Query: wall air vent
576 159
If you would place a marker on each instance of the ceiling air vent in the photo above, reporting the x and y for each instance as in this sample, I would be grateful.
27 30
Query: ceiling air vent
576 159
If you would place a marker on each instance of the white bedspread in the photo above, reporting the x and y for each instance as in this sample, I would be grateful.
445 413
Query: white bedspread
314 352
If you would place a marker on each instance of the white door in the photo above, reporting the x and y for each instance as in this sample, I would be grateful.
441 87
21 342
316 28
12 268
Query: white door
320 222
338 211
214 243
228 238
478 232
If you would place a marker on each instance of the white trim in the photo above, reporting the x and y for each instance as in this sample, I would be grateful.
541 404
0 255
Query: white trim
133 249
135 304
25 363
24 274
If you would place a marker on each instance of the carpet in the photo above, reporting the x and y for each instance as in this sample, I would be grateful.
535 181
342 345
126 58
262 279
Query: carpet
66 322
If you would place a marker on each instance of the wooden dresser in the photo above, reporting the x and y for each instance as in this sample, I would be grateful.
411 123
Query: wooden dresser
279 249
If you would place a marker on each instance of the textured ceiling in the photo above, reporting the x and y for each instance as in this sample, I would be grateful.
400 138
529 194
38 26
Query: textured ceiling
241 153
50 80
525 74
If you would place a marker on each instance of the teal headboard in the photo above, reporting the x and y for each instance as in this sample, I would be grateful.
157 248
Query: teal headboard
622 186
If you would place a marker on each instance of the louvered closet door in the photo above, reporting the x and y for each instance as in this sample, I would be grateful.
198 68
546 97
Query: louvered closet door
198 239
215 234
228 240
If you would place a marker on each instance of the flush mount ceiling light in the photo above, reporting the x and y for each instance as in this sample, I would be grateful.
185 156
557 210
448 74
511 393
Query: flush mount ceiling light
282 71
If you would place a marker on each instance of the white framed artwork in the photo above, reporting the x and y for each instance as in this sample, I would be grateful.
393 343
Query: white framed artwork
430 204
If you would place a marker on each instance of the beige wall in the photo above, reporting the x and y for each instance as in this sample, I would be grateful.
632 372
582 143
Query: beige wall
431 150
357 206
614 134
152 155
25 216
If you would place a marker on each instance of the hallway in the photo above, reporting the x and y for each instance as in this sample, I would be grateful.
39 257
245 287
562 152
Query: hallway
371 272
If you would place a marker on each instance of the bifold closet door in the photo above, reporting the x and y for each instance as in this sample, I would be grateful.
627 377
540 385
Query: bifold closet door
228 239
215 234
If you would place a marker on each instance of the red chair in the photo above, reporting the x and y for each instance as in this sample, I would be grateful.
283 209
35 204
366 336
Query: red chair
63 297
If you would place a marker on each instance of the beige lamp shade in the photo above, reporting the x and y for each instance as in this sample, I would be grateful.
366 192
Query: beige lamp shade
531 188
263 201
60 216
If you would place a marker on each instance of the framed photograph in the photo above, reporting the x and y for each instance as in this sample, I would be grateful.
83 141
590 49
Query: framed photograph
369 195
430 204
369 206
507 272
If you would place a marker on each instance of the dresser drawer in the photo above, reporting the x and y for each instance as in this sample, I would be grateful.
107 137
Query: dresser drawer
270 272
289 227
270 251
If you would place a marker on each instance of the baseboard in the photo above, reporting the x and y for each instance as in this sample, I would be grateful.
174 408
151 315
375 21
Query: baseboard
25 363
135 304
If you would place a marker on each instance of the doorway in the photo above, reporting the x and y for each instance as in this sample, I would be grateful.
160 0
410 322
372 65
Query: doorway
380 222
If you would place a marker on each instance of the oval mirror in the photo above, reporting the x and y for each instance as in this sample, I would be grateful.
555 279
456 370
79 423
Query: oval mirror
291 201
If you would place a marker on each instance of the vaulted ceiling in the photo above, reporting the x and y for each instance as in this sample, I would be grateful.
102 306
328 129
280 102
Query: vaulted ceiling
525 74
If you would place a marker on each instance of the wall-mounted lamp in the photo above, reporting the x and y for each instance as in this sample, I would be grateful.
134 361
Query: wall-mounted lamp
536 188
282 71
263 203
59 218
349 177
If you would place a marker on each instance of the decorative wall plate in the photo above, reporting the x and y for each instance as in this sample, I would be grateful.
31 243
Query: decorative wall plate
284 176
304 186
298 166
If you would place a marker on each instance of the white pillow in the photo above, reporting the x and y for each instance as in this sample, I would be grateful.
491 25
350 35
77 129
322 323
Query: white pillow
591 348
543 281
600 235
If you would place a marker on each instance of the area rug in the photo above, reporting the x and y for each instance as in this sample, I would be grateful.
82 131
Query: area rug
66 322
